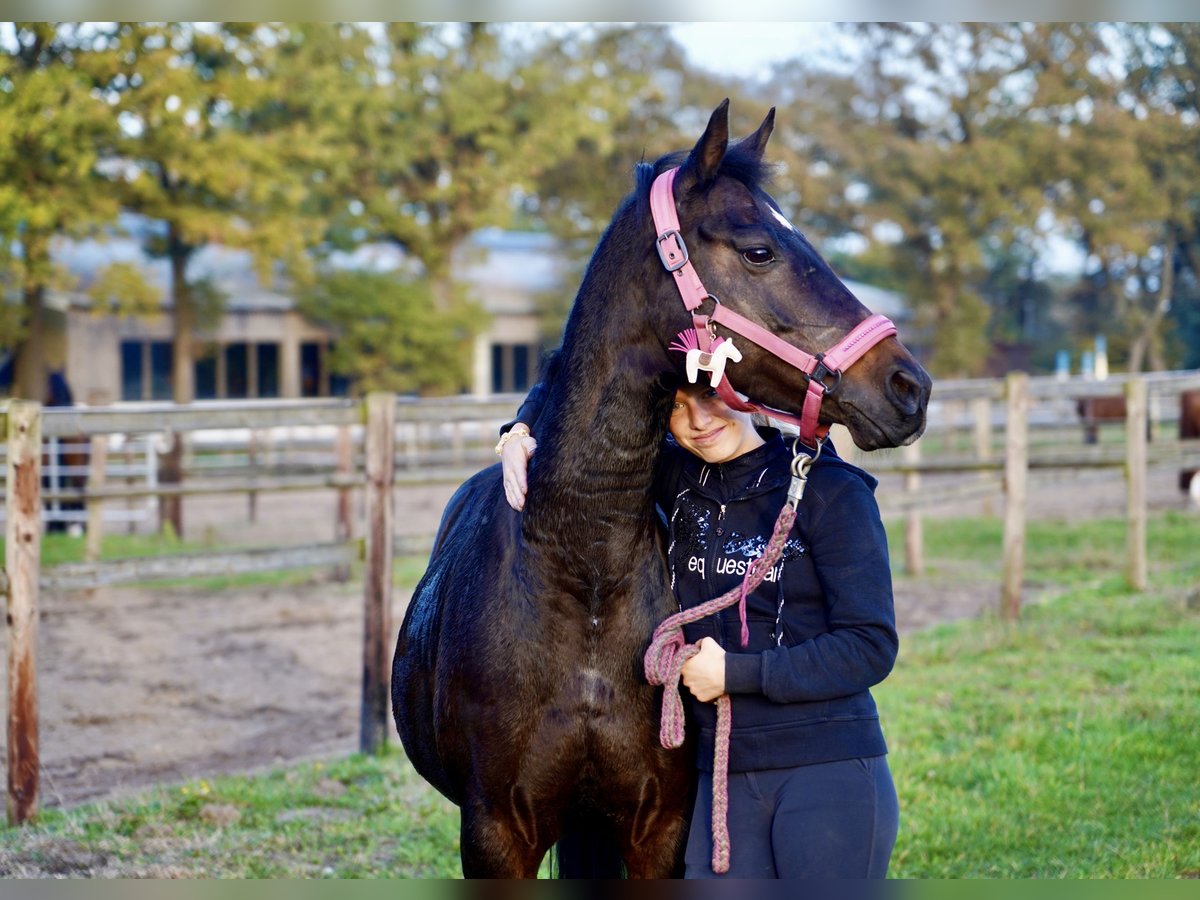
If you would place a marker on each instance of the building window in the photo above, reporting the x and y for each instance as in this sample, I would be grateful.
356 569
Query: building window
311 372
268 369
521 356
161 355
237 376
497 368
512 367
132 370
206 376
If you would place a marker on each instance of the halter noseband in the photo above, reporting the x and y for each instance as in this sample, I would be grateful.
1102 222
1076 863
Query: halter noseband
701 337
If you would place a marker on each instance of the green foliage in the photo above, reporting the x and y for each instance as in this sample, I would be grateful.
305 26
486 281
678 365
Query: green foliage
53 130
391 333
123 290
958 164
197 153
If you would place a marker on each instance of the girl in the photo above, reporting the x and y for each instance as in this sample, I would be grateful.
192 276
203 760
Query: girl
810 791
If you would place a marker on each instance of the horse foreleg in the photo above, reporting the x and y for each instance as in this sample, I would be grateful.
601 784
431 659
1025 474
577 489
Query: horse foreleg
652 844
500 843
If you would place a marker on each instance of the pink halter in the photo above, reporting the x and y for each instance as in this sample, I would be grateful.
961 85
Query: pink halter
674 255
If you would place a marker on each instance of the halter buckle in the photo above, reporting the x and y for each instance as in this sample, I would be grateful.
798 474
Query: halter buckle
821 371
664 252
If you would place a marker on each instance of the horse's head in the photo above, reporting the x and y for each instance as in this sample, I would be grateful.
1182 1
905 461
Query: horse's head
755 265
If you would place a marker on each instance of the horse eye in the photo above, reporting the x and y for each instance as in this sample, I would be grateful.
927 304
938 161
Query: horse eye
758 256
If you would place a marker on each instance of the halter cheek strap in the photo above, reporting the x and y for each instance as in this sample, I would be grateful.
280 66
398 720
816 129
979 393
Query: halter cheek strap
817 368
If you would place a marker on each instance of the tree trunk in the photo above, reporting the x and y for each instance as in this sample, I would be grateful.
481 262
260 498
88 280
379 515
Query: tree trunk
1166 288
183 370
29 378
1145 350
183 379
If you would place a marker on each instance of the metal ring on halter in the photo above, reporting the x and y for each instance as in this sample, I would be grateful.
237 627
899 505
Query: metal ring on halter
711 325
801 463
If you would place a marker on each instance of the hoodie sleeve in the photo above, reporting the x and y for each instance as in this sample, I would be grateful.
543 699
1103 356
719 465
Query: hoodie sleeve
530 410
849 552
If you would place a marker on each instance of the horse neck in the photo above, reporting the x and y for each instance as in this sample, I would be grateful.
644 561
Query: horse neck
603 422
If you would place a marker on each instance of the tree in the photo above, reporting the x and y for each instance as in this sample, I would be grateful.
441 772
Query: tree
390 336
53 126
636 103
930 148
195 155
1123 170
461 121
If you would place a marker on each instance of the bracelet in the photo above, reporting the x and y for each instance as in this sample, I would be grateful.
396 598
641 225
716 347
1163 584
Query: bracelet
518 430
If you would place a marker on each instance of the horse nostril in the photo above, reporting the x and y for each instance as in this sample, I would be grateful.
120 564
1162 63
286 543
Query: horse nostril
908 391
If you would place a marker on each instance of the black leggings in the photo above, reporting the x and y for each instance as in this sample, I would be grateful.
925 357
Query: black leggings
828 820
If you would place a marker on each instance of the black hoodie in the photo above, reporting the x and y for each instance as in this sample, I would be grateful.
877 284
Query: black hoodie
822 624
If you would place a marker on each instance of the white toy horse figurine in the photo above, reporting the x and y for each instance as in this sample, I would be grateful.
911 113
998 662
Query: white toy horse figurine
711 361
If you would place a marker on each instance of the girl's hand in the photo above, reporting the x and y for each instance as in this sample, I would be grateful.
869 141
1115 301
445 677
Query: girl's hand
514 463
704 673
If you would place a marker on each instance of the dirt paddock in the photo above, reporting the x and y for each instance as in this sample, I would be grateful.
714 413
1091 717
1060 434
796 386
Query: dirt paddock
142 686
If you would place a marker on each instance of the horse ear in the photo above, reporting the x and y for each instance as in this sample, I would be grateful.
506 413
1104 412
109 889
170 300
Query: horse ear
703 163
756 143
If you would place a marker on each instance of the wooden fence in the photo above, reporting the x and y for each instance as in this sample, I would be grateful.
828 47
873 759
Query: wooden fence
1013 430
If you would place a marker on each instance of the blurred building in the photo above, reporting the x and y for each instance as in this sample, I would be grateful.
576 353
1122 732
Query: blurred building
262 347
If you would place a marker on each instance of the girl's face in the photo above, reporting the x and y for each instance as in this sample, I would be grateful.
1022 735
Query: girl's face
702 424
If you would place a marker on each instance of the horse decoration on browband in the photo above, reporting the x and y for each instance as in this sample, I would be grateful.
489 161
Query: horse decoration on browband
720 351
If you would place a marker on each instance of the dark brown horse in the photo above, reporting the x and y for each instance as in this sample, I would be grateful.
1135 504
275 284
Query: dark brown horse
517 683
1189 428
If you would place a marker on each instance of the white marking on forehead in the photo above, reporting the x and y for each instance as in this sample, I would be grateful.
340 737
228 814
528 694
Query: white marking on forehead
781 218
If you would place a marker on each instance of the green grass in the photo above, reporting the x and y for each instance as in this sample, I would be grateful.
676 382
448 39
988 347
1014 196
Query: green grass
1056 555
1061 746
61 548
360 817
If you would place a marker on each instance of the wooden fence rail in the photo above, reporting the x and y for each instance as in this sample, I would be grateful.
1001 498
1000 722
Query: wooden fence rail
385 443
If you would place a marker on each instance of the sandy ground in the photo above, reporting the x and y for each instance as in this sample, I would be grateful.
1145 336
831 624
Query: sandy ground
144 686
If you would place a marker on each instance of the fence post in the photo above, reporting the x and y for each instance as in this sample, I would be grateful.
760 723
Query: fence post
97 464
1016 471
22 551
380 449
170 472
252 462
1135 482
914 533
981 414
344 466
